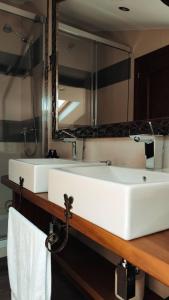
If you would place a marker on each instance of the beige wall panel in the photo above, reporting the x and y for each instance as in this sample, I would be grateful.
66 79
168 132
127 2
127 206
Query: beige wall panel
112 103
108 56
75 53
10 98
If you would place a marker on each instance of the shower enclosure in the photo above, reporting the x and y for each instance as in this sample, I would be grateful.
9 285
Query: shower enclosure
21 95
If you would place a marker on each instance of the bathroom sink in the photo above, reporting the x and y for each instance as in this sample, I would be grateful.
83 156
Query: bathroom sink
35 171
126 202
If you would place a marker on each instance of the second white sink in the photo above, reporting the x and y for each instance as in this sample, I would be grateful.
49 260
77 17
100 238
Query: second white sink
127 202
35 171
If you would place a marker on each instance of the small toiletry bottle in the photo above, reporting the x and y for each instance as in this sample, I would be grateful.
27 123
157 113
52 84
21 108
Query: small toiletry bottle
49 155
55 155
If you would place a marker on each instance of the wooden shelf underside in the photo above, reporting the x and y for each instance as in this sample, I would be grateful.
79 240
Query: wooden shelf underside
90 271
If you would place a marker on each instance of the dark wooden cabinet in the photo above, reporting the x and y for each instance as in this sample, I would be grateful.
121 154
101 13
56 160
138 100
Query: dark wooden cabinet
151 92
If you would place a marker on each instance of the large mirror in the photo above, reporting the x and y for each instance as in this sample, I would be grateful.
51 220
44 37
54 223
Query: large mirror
75 76
107 84
93 79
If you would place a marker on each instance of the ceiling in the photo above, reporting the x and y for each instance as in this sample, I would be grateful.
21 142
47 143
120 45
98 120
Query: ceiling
105 15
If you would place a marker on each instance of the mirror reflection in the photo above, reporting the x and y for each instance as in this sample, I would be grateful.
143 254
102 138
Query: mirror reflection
93 80
123 86
75 97
113 73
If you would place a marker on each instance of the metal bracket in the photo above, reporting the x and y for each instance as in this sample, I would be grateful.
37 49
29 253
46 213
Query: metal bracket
125 280
68 204
21 182
56 241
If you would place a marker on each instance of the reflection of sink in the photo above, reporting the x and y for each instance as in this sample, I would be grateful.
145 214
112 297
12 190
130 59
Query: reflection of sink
35 171
127 202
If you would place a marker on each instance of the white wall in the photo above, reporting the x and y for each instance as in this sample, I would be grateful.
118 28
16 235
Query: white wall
121 151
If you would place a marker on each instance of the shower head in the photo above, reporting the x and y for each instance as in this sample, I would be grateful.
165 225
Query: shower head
7 28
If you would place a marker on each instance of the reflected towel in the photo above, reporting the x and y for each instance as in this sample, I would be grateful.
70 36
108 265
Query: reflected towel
29 262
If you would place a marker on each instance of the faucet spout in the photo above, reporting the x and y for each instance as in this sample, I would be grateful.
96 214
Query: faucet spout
153 150
77 145
74 151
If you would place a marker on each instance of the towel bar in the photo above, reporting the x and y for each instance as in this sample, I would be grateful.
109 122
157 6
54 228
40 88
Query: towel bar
56 241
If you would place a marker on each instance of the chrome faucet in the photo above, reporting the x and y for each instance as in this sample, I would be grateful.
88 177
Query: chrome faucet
77 145
154 145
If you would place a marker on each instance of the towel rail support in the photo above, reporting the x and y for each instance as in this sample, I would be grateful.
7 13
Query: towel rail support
56 241
21 182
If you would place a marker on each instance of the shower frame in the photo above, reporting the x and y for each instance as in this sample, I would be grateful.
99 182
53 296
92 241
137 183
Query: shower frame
40 19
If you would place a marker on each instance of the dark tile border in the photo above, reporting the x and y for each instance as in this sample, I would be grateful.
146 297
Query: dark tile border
10 131
160 127
115 73
108 76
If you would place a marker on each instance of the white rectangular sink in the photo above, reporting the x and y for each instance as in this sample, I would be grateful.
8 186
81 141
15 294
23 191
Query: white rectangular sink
35 171
126 202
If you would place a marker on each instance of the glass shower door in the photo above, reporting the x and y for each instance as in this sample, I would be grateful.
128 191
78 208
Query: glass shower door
21 81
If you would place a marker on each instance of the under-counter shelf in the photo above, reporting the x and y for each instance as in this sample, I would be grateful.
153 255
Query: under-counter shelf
149 253
90 271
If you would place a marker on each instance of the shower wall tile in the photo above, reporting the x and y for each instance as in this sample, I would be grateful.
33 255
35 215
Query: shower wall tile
8 150
12 131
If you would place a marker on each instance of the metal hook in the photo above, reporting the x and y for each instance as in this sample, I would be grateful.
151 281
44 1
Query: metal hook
21 182
56 242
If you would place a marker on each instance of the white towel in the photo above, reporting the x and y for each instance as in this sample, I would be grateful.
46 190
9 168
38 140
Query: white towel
29 262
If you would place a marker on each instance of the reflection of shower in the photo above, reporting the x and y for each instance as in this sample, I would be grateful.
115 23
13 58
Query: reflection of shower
7 28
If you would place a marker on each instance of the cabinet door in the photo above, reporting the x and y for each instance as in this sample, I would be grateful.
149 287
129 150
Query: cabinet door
152 85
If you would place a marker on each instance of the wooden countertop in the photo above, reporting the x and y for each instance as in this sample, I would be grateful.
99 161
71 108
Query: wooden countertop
149 253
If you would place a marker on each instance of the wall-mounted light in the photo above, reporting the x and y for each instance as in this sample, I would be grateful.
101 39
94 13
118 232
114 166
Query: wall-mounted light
123 8
165 2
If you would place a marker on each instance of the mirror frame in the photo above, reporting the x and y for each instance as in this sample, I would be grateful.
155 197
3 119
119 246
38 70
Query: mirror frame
125 129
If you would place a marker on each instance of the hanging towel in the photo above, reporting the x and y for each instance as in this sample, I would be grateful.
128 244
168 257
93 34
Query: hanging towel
29 262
